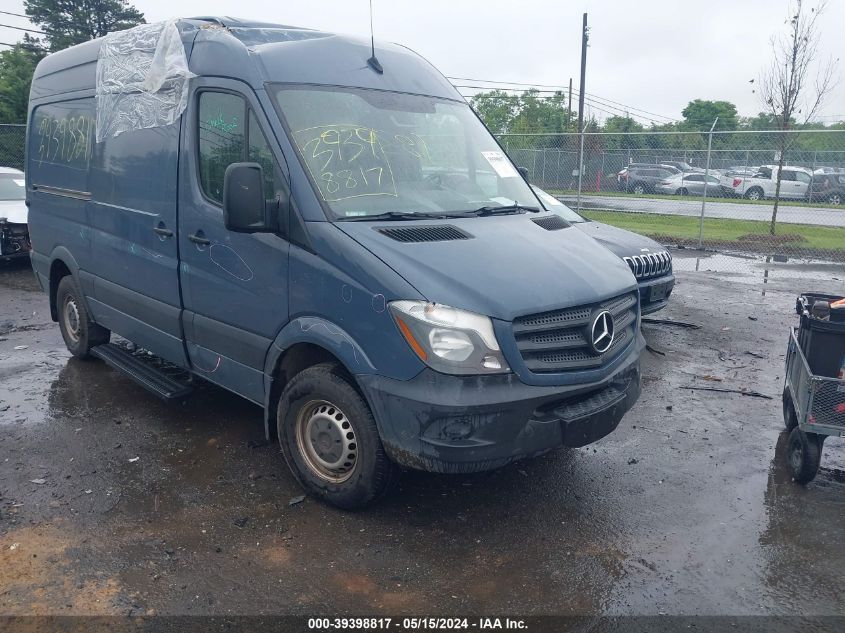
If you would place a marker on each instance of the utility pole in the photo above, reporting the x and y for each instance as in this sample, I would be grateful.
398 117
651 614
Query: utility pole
584 37
569 113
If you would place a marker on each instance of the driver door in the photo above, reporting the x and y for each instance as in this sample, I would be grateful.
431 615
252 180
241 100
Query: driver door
235 285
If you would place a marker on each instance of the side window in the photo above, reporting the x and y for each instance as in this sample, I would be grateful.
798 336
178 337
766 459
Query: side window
802 177
259 152
694 178
221 138
788 175
61 142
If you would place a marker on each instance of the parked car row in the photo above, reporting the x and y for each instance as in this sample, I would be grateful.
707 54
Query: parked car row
824 185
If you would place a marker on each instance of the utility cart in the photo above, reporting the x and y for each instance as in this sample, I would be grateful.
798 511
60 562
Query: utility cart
814 393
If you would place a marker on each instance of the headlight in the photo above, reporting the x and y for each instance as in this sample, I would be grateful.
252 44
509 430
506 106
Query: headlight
449 340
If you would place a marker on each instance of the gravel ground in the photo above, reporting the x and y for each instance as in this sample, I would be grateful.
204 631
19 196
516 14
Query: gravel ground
112 502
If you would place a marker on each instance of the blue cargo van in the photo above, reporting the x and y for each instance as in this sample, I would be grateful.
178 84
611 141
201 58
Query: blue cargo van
330 232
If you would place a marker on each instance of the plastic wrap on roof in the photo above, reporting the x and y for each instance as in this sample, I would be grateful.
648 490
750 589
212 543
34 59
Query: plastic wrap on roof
142 79
254 36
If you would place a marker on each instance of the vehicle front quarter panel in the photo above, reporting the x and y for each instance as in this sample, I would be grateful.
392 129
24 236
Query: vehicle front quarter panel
347 286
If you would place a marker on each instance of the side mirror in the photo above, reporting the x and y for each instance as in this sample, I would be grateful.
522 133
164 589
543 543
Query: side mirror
523 171
245 209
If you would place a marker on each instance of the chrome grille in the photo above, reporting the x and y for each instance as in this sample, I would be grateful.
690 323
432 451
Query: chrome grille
649 264
559 340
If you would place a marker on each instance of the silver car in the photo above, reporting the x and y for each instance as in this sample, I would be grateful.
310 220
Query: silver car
689 184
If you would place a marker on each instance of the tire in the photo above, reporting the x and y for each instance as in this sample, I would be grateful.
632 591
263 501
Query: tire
755 193
790 418
682 192
804 452
79 332
835 199
638 189
330 440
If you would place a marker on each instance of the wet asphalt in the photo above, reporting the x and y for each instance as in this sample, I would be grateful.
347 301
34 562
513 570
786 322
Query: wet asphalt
113 502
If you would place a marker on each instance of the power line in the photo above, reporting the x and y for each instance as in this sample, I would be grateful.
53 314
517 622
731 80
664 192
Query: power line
601 100
597 105
512 83
20 28
17 15
556 89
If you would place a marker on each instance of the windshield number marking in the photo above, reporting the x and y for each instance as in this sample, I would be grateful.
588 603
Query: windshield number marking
339 153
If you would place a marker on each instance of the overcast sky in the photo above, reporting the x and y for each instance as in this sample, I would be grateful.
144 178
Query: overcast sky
650 55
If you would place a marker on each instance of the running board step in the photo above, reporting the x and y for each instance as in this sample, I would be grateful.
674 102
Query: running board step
151 372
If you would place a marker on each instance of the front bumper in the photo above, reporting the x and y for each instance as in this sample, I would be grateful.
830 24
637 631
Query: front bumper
655 292
14 240
458 424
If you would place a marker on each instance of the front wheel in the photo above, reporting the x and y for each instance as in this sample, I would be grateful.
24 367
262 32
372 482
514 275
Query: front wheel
79 332
330 440
835 199
805 453
639 189
682 192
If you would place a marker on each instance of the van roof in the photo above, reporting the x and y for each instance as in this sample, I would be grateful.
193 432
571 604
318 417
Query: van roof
260 53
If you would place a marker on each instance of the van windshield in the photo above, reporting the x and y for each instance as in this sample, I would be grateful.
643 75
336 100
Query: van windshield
371 152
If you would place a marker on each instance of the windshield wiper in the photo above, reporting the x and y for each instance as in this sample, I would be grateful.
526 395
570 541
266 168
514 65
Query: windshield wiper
504 210
395 216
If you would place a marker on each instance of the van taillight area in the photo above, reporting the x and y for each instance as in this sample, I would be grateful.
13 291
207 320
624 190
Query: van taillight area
14 240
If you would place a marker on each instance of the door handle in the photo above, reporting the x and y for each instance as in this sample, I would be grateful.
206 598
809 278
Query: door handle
163 231
199 238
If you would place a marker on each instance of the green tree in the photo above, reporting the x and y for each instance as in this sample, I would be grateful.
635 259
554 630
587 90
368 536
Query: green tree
69 22
541 114
16 68
496 108
700 114
621 127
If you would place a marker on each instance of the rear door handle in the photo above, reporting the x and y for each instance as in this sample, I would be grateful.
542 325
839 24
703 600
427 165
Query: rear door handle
163 231
198 238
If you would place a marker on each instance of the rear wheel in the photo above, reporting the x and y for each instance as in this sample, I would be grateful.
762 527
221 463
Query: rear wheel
79 332
805 452
755 193
835 198
330 441
682 192
638 188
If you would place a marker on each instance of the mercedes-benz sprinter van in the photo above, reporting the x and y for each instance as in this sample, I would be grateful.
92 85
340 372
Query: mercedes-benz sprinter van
329 231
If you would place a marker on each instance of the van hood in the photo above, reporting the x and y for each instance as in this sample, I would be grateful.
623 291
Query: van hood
509 266
620 242
14 211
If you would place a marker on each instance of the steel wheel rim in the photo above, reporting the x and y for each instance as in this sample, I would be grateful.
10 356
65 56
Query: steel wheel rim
326 441
70 314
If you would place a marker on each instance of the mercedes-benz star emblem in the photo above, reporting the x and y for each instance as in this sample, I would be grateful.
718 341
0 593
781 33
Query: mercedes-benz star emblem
601 332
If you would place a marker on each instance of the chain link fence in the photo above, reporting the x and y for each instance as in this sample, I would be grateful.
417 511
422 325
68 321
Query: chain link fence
654 183
12 142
